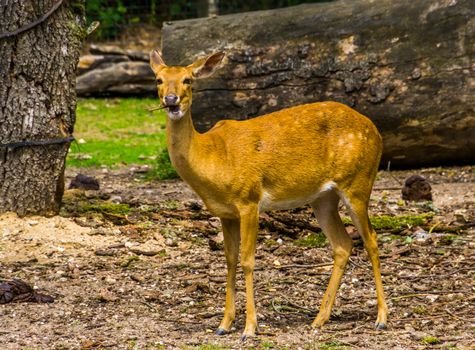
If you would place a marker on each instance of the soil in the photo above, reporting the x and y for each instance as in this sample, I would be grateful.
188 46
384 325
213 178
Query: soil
139 265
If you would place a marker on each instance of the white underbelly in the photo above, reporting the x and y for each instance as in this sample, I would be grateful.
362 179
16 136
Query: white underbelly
267 202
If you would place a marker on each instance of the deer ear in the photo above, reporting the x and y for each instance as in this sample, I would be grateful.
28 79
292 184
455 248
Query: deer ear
204 67
156 61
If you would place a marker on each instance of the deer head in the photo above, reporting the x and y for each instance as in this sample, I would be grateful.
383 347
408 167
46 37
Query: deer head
174 83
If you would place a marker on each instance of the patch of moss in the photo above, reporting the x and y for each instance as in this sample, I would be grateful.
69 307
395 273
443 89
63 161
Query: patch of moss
79 31
267 344
420 310
447 239
430 340
271 243
346 221
170 205
386 222
106 208
333 345
162 253
126 263
207 347
390 238
313 240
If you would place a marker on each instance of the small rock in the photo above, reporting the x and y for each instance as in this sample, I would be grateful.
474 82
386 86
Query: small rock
141 169
371 302
416 188
104 252
216 243
32 222
279 241
353 232
416 74
107 296
115 199
215 222
137 278
418 335
84 182
98 231
432 297
81 156
110 280
90 194
350 340
145 252
194 205
170 242
420 236
20 291
460 216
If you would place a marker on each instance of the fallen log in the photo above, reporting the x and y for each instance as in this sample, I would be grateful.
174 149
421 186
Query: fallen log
408 65
123 78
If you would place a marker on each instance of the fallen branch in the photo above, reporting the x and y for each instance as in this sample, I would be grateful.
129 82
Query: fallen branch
290 266
435 292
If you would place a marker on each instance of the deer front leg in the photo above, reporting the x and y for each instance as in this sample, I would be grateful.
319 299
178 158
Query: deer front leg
231 250
249 226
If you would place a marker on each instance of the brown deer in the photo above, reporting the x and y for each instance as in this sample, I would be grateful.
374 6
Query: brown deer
313 154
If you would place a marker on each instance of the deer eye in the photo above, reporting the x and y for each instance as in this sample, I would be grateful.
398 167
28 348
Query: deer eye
187 81
159 81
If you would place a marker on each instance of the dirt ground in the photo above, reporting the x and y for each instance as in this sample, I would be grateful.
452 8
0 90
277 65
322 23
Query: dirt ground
139 265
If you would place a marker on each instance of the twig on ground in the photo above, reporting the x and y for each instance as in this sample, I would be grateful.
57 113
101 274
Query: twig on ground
435 292
290 266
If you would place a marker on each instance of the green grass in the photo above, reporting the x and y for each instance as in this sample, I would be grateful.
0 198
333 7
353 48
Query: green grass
117 132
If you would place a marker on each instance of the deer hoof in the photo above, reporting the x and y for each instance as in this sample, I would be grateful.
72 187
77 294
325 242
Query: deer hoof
221 331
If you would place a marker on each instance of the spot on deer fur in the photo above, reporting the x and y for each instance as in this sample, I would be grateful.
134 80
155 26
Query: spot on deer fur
258 145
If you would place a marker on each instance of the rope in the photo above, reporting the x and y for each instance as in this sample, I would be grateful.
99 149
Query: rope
13 145
32 24
18 144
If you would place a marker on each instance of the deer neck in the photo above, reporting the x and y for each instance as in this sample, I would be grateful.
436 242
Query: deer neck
181 139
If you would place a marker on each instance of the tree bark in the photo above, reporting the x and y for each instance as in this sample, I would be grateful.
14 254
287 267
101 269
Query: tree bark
408 65
37 101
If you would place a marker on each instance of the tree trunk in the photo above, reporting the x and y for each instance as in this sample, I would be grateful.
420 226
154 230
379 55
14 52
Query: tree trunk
37 101
408 65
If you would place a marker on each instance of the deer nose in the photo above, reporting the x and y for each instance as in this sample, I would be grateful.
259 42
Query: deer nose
171 100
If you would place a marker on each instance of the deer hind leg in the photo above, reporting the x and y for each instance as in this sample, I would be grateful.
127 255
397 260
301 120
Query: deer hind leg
231 249
248 227
358 208
326 211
